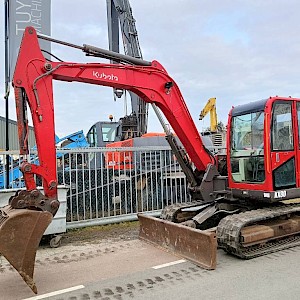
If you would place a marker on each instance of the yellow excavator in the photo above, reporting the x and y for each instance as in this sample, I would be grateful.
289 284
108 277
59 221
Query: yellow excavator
216 131
210 107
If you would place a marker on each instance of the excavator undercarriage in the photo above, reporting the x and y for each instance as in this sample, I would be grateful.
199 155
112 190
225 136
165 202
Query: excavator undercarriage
258 232
195 231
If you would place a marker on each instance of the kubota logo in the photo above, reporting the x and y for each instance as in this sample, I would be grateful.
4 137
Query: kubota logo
105 76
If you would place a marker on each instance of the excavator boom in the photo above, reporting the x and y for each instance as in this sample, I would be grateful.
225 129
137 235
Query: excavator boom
32 83
34 75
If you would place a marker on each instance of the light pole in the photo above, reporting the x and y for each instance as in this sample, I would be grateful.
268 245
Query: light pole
6 95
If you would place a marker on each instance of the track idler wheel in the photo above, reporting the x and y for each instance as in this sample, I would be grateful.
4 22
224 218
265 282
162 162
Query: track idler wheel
20 233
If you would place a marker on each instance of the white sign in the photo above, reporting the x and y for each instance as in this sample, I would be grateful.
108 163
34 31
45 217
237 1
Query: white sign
23 13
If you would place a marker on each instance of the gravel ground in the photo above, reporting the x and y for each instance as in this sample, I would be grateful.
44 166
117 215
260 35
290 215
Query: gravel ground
98 234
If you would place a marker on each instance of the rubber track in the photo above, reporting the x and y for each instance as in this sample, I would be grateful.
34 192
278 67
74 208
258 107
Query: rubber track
229 228
170 212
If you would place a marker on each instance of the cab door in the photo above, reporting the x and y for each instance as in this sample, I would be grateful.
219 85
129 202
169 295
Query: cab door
284 139
297 141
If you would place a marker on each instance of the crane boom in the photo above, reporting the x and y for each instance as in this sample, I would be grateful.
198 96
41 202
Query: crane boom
120 19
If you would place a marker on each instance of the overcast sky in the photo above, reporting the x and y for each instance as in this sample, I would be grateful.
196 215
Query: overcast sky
236 51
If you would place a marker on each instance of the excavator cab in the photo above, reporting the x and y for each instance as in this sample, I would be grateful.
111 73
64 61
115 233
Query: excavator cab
102 133
263 153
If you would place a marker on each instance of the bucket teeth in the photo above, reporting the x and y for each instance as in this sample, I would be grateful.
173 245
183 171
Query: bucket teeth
20 233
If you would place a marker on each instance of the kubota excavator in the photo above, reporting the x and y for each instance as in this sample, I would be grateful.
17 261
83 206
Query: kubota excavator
242 212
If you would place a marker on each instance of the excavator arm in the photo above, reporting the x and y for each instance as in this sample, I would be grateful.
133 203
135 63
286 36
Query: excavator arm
33 76
32 83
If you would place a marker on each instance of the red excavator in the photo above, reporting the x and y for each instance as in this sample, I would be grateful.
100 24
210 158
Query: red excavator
243 212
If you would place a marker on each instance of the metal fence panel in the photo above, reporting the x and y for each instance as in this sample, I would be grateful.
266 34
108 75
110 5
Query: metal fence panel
111 184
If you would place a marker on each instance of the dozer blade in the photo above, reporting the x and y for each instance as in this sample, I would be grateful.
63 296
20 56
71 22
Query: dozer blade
20 233
198 246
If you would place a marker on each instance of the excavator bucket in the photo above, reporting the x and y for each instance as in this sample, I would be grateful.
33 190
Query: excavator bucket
20 233
198 246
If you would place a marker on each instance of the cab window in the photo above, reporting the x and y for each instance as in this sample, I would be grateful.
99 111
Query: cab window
282 129
247 148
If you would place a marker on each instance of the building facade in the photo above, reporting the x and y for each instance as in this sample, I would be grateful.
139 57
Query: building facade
13 135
